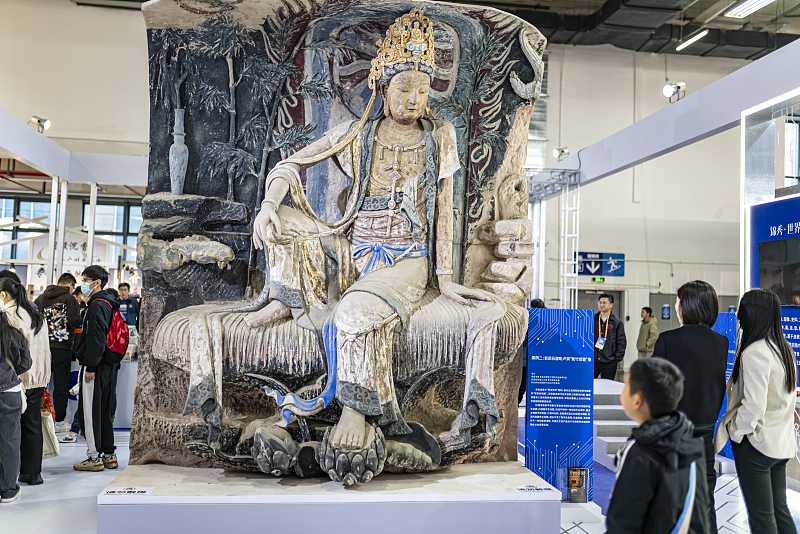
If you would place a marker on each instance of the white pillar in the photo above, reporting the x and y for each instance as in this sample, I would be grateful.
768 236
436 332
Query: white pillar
90 224
62 224
540 236
50 273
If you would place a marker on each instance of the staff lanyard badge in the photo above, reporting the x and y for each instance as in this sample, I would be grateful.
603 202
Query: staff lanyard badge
601 339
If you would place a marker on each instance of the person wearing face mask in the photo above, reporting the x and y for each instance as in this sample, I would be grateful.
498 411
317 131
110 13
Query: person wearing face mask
23 317
97 372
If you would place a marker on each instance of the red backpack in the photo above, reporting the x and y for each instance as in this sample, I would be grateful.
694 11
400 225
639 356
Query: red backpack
118 335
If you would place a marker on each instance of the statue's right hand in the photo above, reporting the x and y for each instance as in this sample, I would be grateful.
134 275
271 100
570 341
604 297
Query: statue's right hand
268 215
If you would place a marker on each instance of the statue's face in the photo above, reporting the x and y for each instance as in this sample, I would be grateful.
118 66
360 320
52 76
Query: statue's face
407 96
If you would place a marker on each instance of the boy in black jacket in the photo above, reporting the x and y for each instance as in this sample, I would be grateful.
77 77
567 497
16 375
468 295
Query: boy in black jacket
97 372
653 469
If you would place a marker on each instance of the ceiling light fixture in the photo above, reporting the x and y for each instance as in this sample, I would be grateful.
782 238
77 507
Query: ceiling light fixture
747 8
674 90
560 153
692 39
41 124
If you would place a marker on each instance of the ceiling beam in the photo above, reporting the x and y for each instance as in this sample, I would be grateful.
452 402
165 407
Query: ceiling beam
702 114
713 11
41 153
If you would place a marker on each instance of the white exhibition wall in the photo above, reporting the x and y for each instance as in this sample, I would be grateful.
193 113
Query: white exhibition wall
85 68
682 207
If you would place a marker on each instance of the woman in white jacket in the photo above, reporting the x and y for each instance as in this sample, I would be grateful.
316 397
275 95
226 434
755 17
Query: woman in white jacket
760 416
21 315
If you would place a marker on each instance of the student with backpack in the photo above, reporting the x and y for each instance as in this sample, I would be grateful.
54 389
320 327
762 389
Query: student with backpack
104 333
15 359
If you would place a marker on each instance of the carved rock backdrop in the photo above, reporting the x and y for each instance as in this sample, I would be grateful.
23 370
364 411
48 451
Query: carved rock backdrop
258 80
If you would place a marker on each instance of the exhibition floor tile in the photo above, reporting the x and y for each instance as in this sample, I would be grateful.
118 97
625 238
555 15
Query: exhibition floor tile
67 501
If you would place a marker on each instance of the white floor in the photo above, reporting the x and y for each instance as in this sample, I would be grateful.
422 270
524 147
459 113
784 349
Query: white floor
731 513
67 501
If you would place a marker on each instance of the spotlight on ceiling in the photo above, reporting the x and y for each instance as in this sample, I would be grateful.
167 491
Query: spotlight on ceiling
41 124
560 153
674 91
747 8
696 36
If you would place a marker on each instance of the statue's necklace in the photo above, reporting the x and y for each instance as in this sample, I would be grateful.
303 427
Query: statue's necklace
397 170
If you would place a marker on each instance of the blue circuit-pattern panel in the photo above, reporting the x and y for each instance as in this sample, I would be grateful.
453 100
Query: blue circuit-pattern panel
560 394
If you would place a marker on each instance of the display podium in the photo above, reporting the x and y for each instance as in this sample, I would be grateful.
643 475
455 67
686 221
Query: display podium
463 498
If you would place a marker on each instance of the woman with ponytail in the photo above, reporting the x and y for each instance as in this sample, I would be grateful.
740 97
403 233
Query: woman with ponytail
21 315
760 416
15 359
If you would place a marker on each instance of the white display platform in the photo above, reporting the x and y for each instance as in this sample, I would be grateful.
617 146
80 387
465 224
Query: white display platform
126 385
469 498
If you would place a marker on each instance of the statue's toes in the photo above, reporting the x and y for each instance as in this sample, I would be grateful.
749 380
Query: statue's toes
274 451
355 465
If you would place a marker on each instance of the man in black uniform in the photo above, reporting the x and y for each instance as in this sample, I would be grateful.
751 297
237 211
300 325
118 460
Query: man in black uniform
609 339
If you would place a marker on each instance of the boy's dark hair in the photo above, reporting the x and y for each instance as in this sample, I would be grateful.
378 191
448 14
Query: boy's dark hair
659 382
537 303
95 272
113 292
648 310
606 296
5 273
67 279
124 284
699 304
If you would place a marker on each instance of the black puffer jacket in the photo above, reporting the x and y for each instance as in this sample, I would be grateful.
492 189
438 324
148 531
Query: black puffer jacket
616 342
92 350
653 479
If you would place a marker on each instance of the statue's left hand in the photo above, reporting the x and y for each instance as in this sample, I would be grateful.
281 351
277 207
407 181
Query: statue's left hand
460 294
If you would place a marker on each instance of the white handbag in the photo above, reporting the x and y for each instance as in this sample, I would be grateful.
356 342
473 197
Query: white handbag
50 442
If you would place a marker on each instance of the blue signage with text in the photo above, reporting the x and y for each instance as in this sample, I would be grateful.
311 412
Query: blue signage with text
790 321
559 404
601 264
727 326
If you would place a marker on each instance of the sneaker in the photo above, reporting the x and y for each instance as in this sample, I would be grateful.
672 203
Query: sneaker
72 437
110 461
90 464
62 427
32 480
10 495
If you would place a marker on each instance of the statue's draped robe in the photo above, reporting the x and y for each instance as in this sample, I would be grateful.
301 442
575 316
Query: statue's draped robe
357 281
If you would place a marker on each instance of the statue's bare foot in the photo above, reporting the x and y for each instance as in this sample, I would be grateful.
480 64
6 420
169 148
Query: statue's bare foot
269 314
350 431
353 467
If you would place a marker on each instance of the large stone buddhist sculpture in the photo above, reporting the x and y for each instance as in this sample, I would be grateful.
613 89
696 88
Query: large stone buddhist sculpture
360 351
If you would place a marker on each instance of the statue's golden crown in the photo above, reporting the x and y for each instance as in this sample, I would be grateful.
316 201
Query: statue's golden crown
408 45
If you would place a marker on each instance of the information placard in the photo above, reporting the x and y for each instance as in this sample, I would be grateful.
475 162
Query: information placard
727 326
559 404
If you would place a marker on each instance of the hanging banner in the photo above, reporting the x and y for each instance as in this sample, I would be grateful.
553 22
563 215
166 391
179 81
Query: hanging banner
559 404
75 247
